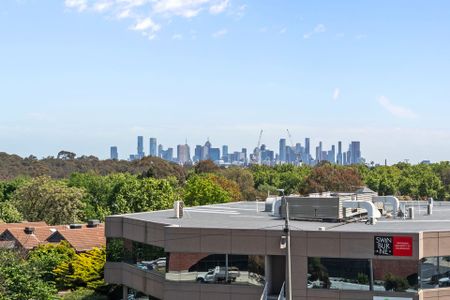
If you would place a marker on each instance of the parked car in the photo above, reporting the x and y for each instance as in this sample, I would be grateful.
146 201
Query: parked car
218 274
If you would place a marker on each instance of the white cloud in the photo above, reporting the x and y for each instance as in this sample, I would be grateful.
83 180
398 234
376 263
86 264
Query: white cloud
283 30
184 8
396 110
79 5
320 28
177 37
218 8
148 15
220 33
336 94
102 6
146 24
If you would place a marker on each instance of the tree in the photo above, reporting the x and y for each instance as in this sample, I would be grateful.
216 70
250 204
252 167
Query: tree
8 213
19 280
201 190
206 166
47 257
44 199
244 178
334 178
84 270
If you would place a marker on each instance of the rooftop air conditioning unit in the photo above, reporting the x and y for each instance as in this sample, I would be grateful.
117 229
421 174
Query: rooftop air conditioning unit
75 226
178 209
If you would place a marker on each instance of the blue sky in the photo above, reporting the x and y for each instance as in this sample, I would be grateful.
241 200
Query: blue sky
83 75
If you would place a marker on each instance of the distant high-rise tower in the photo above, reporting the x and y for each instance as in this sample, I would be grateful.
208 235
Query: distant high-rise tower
355 150
225 152
153 150
140 147
114 153
183 154
282 150
339 157
308 150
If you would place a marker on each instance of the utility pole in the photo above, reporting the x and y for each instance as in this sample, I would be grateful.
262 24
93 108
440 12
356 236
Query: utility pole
288 283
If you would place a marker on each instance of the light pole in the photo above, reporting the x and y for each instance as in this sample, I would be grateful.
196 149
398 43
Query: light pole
288 284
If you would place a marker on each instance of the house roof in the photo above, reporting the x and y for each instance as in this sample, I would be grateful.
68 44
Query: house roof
4 226
81 239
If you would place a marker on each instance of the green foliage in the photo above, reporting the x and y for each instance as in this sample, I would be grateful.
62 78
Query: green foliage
19 280
9 213
47 257
327 177
206 166
244 178
202 190
123 193
43 199
395 283
84 270
84 294
362 278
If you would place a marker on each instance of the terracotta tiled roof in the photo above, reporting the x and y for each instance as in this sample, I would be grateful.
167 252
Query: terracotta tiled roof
4 226
82 239
24 240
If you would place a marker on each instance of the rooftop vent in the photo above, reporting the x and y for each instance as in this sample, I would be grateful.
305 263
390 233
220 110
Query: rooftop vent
93 223
29 230
178 207
75 226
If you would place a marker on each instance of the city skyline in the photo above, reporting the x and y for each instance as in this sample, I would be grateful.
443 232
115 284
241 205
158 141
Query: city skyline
376 73
294 153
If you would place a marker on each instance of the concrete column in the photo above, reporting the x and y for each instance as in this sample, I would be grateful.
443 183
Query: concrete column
124 292
268 273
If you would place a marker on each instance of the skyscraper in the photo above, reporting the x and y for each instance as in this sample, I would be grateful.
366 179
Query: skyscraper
355 150
307 151
282 150
339 154
114 153
225 152
183 154
198 153
214 154
153 150
140 147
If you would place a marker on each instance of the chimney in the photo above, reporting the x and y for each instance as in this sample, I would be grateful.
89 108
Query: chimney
93 223
29 230
75 226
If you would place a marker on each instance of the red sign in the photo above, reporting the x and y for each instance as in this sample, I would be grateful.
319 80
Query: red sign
403 246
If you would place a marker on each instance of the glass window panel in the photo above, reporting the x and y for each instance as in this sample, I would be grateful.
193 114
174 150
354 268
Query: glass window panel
338 273
395 275
435 272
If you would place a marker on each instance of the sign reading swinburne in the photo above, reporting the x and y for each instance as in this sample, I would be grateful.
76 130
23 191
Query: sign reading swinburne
393 246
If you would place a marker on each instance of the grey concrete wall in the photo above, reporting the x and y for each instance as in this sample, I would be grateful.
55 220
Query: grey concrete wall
260 242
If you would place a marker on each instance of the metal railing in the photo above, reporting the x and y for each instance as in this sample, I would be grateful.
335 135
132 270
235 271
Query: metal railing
282 295
265 292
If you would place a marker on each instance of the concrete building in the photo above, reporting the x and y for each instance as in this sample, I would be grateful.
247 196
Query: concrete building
282 152
153 147
183 154
114 154
140 147
341 248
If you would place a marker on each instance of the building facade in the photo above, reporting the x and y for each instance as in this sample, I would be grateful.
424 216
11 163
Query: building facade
238 251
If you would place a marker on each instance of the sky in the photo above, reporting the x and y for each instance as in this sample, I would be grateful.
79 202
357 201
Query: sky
83 75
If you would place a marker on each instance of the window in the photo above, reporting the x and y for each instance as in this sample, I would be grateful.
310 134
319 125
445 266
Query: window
216 268
363 274
144 257
338 273
435 272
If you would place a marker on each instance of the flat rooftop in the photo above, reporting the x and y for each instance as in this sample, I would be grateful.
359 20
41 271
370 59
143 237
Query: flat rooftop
251 215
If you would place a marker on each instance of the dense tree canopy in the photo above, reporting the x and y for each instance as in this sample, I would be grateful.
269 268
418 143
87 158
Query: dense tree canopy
44 199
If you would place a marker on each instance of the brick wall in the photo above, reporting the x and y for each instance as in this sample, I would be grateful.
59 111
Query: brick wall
183 261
